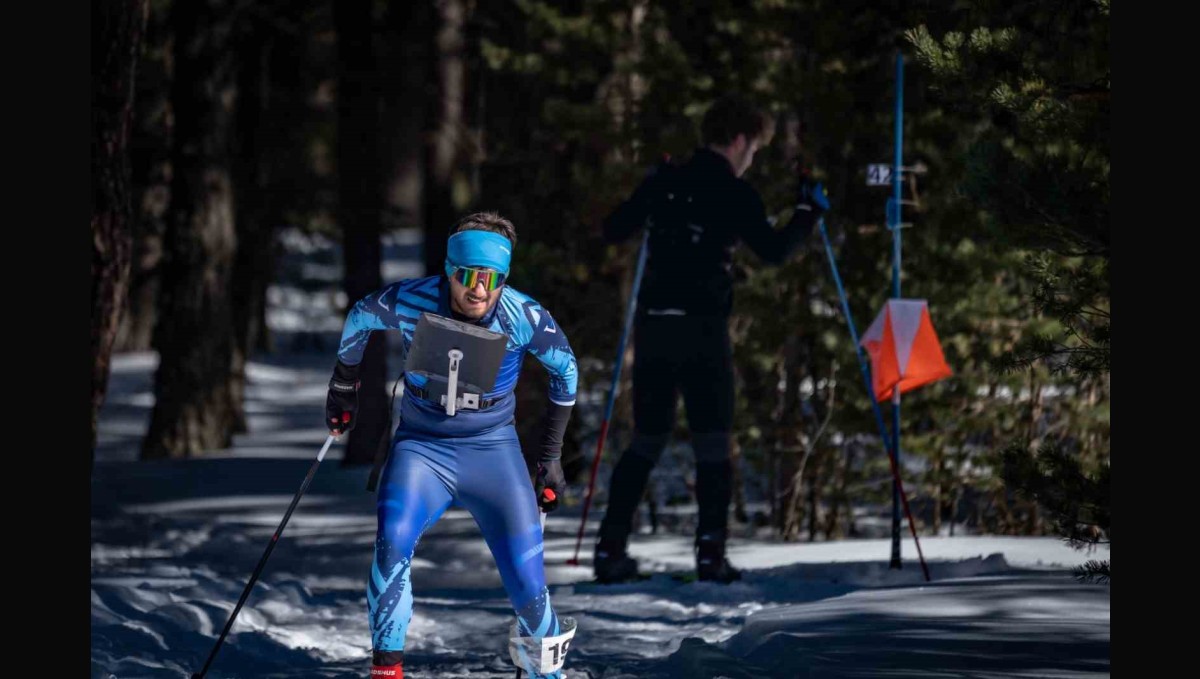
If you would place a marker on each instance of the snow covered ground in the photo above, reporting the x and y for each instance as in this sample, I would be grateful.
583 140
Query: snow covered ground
174 542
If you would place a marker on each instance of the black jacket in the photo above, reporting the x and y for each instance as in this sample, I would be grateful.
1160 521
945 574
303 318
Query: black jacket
696 214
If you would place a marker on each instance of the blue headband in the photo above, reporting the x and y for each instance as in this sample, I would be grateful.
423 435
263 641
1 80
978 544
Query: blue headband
477 248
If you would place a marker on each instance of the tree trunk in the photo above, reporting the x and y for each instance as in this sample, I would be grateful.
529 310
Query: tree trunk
841 472
150 161
793 438
359 189
254 265
193 411
405 53
117 29
1035 441
445 124
939 471
781 463
814 498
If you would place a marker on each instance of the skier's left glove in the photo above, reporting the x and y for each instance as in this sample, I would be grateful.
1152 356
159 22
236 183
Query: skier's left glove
550 475
551 484
811 196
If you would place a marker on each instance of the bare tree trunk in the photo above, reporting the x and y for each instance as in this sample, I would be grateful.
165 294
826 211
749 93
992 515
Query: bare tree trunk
472 152
1035 440
842 471
254 265
805 444
193 411
792 456
150 160
793 509
814 501
956 497
783 465
405 53
136 332
621 92
939 470
852 451
359 188
774 516
1005 514
445 131
117 29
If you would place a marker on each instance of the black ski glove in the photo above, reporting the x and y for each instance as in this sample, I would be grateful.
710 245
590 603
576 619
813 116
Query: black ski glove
811 196
341 403
551 483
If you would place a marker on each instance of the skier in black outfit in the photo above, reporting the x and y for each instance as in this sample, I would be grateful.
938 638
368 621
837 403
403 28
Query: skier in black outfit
696 214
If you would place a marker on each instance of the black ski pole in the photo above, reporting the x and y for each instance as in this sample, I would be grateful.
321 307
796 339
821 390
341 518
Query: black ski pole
263 561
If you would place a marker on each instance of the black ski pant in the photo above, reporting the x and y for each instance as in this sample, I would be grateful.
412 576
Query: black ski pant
692 356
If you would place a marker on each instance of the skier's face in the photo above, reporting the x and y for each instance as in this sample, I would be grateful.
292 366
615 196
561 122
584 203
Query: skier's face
473 302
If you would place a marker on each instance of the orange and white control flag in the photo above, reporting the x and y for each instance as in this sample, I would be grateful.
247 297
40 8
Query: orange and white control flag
903 348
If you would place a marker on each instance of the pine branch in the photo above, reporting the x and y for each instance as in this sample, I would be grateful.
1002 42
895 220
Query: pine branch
1093 572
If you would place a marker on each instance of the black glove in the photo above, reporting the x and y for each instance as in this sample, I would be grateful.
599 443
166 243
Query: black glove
550 475
811 196
551 484
341 404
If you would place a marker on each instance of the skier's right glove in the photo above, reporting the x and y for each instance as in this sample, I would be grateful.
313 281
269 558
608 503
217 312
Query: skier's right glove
341 403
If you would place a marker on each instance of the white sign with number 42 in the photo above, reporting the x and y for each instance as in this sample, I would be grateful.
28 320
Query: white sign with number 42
879 175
